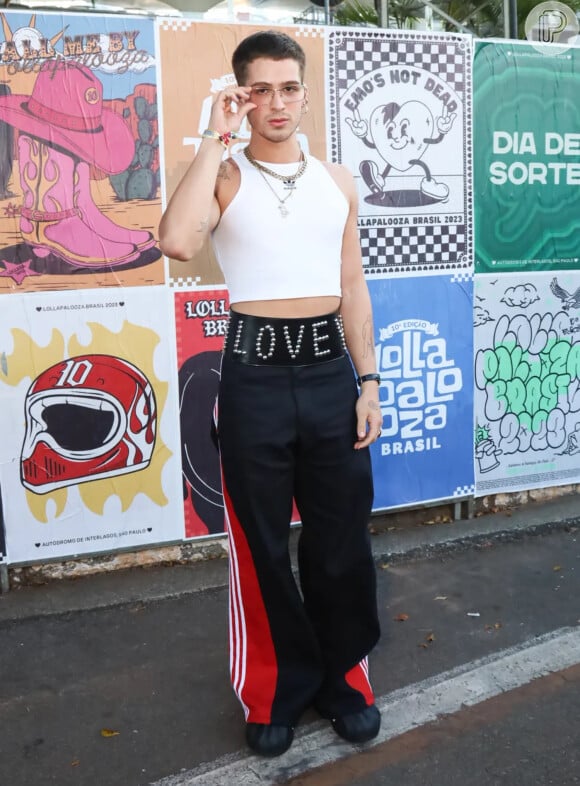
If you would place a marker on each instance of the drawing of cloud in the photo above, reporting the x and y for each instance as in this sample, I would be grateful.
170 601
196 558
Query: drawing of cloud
522 295
481 316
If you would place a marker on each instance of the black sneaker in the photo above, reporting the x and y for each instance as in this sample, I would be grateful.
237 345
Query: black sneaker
359 726
268 739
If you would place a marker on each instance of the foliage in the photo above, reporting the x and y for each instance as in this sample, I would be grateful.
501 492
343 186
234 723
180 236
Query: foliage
483 17
356 14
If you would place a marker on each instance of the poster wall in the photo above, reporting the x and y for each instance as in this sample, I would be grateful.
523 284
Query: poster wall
425 358
110 355
527 380
89 458
400 119
79 153
526 157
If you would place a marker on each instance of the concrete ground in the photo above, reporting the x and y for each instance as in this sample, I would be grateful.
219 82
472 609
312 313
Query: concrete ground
123 678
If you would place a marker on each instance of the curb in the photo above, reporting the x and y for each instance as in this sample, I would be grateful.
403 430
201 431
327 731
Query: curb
155 584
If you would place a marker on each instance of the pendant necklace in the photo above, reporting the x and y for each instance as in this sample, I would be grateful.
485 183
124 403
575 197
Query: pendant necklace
288 180
281 202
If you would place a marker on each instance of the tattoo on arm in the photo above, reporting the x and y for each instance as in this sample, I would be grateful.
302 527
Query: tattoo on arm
367 337
223 171
373 405
203 225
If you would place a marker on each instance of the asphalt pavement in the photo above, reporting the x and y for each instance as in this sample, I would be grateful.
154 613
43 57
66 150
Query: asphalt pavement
123 678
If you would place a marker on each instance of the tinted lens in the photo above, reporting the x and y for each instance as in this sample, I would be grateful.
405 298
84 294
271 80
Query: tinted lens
296 94
264 95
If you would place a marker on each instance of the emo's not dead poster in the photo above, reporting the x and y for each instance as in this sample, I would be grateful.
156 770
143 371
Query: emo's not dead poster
399 119
201 320
527 381
79 153
89 456
424 351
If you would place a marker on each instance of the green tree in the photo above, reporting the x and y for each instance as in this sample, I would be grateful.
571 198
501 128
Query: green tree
484 18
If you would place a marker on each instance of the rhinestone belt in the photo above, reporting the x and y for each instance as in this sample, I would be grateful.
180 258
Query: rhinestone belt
274 341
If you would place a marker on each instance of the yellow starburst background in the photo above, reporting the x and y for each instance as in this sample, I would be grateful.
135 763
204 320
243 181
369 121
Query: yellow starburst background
133 343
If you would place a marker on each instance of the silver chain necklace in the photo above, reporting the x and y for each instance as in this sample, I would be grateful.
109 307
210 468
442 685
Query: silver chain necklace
281 206
288 180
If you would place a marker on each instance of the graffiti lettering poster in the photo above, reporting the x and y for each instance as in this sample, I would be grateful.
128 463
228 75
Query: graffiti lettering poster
424 354
201 323
400 118
79 164
527 381
89 456
205 49
526 158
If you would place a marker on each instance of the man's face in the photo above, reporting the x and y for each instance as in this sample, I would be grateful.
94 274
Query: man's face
275 120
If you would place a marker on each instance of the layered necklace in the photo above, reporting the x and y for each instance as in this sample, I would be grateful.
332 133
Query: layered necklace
288 180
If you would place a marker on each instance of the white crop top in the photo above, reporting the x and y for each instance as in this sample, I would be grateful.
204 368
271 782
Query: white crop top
267 256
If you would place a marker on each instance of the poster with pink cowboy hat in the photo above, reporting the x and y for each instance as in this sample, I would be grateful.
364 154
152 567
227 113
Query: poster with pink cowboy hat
64 130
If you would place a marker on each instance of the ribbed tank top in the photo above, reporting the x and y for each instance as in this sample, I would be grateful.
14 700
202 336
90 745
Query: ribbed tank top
266 256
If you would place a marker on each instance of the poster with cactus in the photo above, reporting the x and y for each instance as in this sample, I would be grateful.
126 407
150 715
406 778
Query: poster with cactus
527 381
89 456
204 49
79 153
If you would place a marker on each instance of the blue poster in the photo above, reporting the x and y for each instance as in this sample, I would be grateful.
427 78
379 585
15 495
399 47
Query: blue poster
424 348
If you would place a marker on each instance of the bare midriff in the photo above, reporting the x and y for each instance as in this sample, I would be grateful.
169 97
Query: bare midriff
290 308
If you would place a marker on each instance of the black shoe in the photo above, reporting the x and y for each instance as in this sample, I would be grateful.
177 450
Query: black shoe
267 739
359 726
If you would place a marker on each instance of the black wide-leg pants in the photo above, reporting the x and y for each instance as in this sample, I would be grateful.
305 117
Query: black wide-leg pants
288 432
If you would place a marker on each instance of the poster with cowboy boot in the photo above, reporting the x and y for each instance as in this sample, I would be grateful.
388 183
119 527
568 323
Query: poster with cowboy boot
204 49
79 165
89 455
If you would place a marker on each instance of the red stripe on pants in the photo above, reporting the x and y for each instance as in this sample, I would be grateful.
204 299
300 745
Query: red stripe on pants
358 679
253 665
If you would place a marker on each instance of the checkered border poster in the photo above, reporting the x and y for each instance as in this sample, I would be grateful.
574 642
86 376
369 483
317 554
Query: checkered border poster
425 359
399 112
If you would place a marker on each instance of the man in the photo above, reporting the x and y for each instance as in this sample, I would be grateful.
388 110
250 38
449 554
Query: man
292 423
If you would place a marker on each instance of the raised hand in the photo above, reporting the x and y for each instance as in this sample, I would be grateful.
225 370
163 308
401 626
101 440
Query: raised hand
229 109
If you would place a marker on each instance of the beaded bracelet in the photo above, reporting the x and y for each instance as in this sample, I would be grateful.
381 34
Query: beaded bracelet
224 138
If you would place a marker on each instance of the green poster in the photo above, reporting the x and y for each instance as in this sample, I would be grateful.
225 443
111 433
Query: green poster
526 136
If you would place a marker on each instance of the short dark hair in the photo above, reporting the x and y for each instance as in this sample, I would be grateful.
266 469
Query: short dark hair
267 43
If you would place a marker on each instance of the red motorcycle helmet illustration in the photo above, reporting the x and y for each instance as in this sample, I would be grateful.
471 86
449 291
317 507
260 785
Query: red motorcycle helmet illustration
87 417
